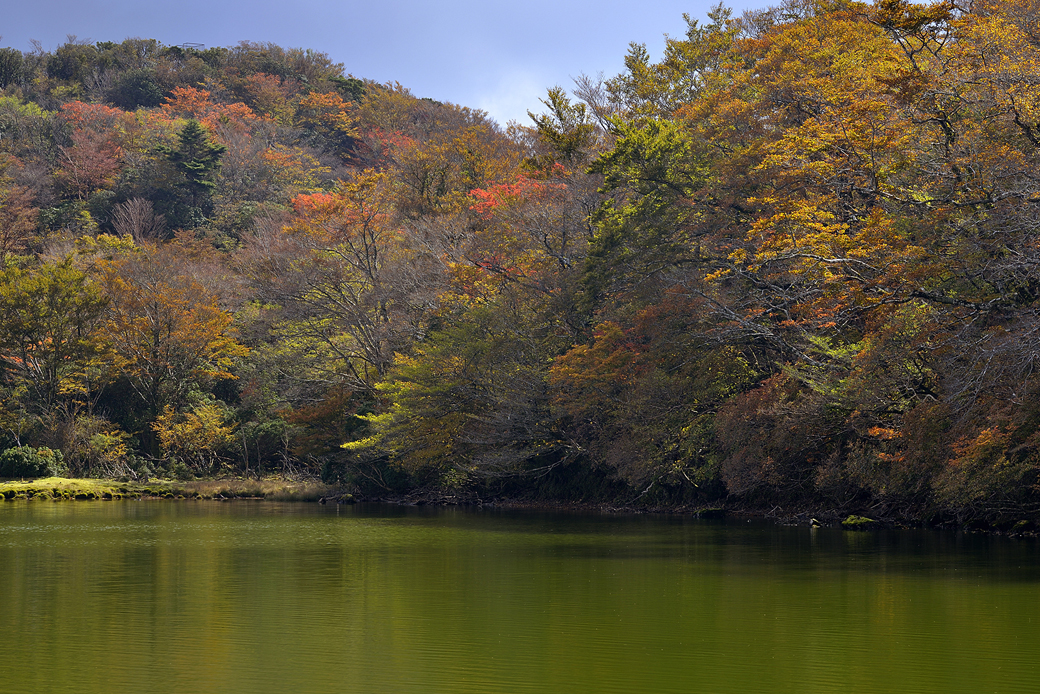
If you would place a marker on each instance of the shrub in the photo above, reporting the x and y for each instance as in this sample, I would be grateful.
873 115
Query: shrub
26 461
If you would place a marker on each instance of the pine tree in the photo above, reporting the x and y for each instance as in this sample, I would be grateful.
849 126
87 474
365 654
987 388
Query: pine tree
198 159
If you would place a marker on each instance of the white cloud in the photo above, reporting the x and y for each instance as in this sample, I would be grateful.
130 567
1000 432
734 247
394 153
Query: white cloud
517 92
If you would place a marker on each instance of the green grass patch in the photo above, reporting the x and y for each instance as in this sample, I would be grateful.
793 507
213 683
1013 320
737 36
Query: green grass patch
60 488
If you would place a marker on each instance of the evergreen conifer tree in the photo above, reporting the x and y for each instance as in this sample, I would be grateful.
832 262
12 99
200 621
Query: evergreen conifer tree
198 159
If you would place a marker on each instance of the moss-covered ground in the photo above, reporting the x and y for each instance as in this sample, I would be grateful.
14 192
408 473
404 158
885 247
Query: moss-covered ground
60 488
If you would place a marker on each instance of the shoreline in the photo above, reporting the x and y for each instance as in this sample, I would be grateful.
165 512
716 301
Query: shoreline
1011 524
853 519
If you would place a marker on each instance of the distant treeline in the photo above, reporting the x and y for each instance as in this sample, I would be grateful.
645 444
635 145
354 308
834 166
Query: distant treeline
793 262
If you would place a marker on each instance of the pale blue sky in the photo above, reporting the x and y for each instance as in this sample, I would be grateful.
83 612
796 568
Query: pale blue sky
498 57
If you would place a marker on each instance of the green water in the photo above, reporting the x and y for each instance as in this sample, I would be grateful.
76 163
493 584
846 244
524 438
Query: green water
196 597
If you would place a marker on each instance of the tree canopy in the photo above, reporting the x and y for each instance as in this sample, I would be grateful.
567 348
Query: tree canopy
793 261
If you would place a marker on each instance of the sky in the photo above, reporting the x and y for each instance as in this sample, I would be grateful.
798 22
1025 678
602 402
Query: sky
499 57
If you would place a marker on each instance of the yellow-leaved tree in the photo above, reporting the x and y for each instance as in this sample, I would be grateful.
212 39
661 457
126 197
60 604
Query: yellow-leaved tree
167 326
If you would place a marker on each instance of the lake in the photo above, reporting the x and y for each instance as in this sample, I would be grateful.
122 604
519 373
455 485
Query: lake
200 596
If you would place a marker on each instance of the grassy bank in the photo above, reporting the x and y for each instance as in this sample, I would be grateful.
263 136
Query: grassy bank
60 488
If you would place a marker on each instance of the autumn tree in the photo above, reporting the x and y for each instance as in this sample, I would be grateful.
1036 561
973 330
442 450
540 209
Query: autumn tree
198 435
18 215
435 175
53 352
331 118
88 165
166 327
350 284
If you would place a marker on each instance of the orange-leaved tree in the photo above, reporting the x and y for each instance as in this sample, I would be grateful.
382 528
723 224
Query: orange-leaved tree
167 327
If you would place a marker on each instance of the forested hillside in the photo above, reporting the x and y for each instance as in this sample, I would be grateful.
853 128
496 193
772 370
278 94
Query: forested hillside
794 261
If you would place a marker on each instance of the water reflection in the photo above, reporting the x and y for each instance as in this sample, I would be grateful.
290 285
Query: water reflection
250 596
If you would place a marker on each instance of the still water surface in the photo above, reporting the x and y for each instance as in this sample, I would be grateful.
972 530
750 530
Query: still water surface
198 597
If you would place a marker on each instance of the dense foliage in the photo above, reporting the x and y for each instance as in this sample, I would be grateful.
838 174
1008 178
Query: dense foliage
793 261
